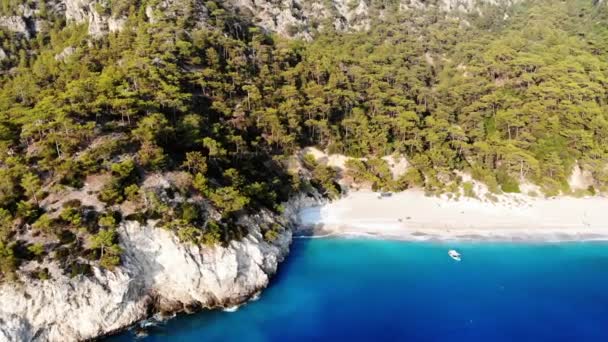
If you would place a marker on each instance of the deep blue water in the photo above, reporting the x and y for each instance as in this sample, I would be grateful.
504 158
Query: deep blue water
373 290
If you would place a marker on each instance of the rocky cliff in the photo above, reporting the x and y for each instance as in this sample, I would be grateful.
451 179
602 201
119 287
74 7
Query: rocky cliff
89 11
159 273
302 17
286 17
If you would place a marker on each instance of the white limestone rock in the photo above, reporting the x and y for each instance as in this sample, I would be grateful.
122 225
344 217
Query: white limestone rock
81 11
291 18
158 272
580 179
15 24
298 18
65 53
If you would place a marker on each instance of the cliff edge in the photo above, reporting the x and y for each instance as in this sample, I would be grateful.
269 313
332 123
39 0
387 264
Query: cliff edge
159 274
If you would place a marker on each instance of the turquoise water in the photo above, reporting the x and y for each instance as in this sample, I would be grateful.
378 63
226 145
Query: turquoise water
372 290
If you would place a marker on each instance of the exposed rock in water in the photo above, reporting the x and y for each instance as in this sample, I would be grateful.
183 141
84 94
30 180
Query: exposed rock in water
159 273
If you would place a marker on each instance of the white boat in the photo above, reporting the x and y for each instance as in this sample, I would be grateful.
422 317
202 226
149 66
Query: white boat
454 255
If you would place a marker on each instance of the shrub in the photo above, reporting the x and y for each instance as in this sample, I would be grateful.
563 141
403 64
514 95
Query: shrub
107 221
44 224
106 240
228 200
200 183
65 237
507 183
112 192
453 188
115 191
411 178
28 211
73 203
467 187
189 212
309 161
151 156
71 215
124 169
379 171
8 261
109 261
271 235
156 207
132 192
356 169
212 234
324 177
189 233
36 249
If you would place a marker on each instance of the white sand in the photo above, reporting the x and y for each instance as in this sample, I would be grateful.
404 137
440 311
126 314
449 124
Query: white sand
411 215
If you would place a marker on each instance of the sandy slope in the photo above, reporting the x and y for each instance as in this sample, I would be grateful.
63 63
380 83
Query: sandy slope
413 216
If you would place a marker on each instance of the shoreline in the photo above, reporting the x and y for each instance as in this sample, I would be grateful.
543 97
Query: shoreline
543 237
412 216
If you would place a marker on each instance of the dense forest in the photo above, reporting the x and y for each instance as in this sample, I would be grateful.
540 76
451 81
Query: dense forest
222 106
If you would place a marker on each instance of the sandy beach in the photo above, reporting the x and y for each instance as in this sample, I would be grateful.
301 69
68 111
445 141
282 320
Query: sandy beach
410 215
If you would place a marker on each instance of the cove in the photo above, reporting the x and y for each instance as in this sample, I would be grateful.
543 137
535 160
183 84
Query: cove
335 289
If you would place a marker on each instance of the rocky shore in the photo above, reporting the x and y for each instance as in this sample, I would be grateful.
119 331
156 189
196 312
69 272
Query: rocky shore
159 274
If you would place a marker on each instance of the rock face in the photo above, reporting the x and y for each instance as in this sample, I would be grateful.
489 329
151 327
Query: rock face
465 5
580 179
17 24
159 273
291 18
87 11
301 17
66 53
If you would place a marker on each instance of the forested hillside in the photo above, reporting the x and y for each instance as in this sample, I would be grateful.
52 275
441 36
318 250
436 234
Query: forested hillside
509 97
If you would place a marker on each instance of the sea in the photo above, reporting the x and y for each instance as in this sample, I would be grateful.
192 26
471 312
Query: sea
341 289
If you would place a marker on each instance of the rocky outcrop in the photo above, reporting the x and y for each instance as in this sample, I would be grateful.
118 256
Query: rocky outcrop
81 11
100 19
66 53
580 179
301 18
464 5
17 24
159 273
291 18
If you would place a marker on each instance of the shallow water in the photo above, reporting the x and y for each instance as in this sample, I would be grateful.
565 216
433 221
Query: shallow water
362 290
